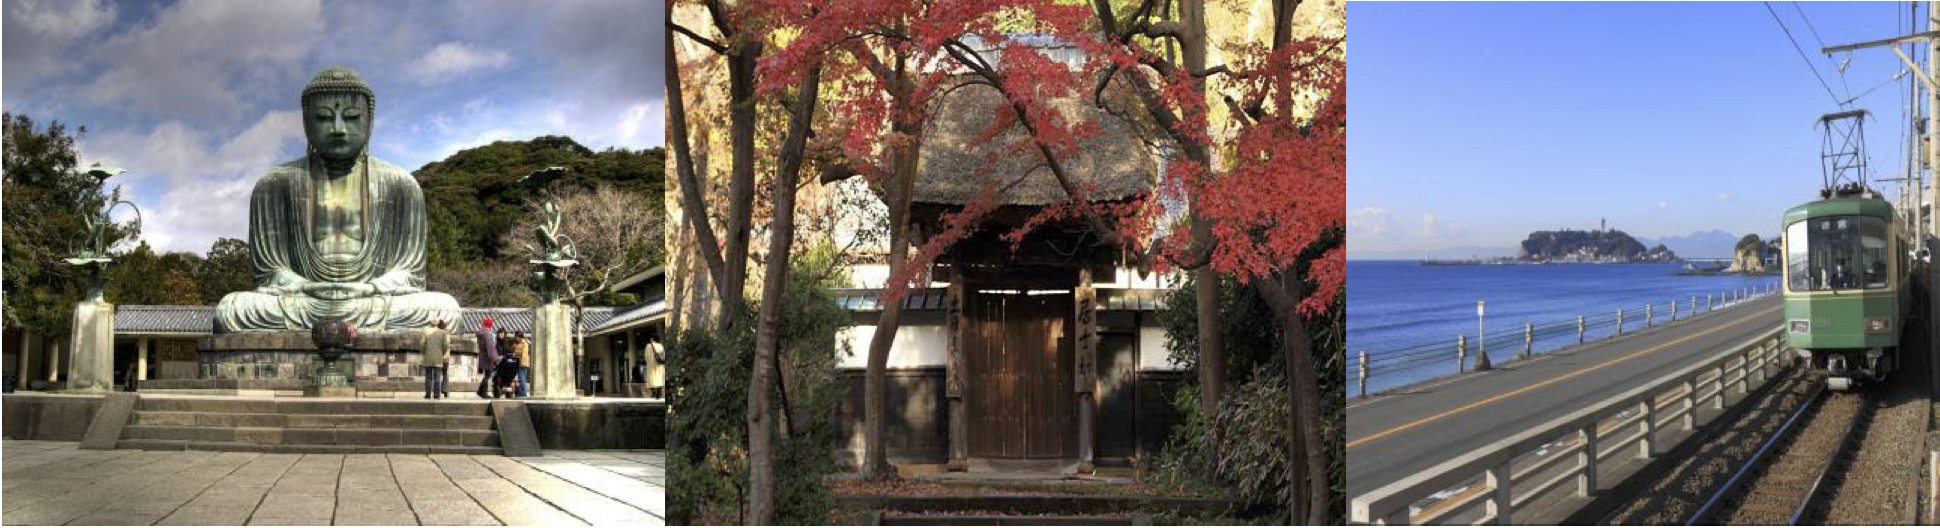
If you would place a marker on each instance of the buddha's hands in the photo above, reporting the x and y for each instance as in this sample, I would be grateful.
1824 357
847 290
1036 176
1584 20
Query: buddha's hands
339 290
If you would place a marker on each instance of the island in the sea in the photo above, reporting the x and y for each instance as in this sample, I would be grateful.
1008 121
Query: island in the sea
1572 246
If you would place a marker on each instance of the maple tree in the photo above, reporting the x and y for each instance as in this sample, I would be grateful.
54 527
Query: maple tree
1260 195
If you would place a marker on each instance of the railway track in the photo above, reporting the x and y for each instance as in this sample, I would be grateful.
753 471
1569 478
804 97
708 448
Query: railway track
1786 480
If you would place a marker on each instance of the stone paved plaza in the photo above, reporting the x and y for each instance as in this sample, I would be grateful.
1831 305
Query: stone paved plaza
49 483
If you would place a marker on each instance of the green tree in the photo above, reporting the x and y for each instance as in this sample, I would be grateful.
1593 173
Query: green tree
224 270
140 276
1243 449
474 197
41 223
708 439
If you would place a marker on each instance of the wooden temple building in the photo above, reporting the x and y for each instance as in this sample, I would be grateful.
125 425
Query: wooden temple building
1046 355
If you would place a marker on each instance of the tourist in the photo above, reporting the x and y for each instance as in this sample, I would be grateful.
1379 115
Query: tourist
521 348
501 384
487 356
508 368
437 348
639 367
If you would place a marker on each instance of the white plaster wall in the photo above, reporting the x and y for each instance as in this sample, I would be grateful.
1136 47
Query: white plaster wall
868 275
1128 278
916 346
1152 354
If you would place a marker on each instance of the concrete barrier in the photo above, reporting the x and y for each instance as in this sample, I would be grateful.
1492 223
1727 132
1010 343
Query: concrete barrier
1632 418
58 417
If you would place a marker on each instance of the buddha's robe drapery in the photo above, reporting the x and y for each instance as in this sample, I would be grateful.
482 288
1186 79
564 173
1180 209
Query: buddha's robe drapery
390 222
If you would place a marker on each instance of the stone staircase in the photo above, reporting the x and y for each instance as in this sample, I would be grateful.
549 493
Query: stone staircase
348 426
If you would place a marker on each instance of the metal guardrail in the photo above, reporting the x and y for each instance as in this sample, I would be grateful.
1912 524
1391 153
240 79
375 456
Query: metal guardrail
1529 339
1634 417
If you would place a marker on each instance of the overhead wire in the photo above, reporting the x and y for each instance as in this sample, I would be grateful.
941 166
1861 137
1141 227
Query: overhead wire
1802 56
1836 66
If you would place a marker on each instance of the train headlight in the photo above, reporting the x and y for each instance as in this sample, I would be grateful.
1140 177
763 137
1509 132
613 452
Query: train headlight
1801 326
1878 324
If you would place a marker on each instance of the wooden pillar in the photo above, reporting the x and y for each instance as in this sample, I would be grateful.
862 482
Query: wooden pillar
23 373
1086 352
53 359
141 358
954 301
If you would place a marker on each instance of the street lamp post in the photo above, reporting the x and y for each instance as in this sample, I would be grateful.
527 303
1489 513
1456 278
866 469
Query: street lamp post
1481 340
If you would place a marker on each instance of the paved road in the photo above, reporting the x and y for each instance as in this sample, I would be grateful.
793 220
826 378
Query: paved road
1394 435
52 483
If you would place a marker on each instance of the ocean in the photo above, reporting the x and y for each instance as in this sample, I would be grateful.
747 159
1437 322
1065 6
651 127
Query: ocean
1406 315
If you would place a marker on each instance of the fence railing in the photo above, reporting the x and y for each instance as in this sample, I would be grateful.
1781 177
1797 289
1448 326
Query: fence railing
1464 352
1512 473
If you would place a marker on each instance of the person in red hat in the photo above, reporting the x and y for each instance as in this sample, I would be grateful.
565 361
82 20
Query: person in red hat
487 356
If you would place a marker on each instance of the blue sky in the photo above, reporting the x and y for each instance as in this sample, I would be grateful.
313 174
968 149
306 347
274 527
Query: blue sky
1477 123
196 98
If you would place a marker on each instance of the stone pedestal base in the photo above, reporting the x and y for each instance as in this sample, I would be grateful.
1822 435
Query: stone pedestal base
330 391
552 352
93 344
290 355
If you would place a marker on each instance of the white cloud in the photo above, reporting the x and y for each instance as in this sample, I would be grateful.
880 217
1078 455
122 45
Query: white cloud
191 186
37 31
1726 197
455 58
1367 221
610 50
640 121
200 58
1662 205
1428 224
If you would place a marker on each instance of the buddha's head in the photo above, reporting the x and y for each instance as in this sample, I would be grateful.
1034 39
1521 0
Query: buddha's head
338 108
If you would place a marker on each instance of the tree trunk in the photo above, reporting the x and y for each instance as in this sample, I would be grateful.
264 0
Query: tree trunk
1212 351
1297 509
1282 294
875 459
691 200
761 463
741 118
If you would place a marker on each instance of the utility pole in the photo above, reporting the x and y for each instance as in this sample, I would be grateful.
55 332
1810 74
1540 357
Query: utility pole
1933 123
1927 75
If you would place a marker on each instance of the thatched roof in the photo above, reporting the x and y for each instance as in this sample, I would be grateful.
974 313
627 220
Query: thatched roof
952 170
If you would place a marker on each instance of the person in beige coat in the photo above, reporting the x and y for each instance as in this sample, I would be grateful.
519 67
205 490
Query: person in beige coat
437 356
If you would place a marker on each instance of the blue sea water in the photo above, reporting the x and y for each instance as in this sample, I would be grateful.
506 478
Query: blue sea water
1394 306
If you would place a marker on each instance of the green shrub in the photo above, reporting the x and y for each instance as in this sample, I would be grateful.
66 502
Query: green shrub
707 424
1254 424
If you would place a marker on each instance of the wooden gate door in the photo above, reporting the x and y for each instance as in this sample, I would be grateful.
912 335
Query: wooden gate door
1018 367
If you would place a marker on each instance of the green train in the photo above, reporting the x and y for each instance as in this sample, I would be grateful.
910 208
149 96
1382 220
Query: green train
1846 284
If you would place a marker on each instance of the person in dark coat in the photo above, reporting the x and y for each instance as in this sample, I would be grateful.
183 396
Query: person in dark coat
487 357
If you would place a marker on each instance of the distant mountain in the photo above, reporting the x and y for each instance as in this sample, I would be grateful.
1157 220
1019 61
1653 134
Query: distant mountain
1715 243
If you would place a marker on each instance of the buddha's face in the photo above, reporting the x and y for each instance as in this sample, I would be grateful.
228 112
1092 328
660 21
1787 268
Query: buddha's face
337 124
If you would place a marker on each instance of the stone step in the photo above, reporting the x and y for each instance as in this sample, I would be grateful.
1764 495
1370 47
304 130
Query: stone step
312 421
345 436
181 445
317 406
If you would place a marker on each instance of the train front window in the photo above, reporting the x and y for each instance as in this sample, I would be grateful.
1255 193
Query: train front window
1836 253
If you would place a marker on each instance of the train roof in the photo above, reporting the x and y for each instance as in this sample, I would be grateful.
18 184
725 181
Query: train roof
1845 205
